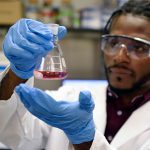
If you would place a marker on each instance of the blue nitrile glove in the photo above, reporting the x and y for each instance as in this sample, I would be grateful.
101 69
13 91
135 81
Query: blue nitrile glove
74 118
26 42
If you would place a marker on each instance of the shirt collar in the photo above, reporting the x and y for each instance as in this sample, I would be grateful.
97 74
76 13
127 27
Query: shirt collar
136 102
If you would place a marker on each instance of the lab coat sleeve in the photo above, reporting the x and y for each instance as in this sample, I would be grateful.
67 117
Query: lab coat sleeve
9 107
12 114
18 128
141 142
100 142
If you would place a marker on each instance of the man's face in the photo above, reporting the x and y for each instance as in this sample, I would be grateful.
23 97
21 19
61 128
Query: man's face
123 71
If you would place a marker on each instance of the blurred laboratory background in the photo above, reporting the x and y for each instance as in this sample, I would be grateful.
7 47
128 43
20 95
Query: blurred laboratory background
84 20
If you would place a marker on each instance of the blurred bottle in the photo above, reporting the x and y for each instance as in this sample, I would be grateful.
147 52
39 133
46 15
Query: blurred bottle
106 9
32 9
66 13
90 18
121 2
56 13
76 19
109 4
46 14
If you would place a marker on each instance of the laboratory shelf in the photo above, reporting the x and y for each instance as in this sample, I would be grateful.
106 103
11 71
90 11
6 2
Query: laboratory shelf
85 30
70 29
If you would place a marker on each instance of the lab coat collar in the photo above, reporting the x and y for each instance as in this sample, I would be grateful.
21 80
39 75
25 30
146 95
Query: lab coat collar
4 72
138 122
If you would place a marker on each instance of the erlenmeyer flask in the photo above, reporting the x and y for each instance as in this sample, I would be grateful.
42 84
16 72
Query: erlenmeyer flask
53 66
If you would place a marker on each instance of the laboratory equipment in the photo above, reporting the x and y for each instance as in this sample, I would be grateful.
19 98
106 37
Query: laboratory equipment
53 66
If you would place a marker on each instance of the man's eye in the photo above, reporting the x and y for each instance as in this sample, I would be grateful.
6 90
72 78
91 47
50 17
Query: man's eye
113 43
137 48
140 49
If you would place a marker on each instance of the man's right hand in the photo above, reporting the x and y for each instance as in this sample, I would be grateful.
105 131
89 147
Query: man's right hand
26 42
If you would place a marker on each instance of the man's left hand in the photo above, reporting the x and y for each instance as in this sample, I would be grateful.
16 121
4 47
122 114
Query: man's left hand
74 118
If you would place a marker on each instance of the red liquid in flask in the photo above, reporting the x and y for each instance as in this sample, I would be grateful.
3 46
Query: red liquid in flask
47 75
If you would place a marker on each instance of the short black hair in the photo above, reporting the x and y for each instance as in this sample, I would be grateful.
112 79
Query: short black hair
134 7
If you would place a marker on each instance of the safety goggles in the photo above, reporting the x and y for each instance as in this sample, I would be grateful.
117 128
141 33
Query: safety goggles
135 47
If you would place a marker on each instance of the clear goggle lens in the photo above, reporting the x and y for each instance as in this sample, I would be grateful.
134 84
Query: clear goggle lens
136 47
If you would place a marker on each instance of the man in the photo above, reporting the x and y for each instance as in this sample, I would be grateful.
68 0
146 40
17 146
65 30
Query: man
121 118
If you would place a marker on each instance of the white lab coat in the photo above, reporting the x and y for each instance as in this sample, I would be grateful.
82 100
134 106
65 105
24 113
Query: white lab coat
19 130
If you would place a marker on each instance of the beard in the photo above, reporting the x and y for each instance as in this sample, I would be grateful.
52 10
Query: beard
136 86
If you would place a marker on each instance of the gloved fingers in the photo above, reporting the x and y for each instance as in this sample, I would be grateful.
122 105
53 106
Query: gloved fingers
43 40
37 114
25 98
62 31
44 101
18 54
39 28
51 119
67 113
23 92
86 101
13 51
42 106
35 44
37 98
21 64
38 32
55 120
39 107
40 41
42 29
34 48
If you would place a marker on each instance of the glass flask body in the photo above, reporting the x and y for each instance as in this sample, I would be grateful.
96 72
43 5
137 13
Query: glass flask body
53 66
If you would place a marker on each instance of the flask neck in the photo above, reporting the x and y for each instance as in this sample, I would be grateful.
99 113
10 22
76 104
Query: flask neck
55 40
56 44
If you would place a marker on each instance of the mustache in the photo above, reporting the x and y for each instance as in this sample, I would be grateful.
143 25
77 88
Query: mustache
121 66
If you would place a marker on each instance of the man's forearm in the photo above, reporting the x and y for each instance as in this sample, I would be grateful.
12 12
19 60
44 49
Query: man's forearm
83 146
8 83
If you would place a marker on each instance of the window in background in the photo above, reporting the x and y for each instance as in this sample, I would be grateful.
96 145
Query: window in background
84 83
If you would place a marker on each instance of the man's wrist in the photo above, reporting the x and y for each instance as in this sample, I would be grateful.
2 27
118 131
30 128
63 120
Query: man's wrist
83 146
20 73
8 84
83 134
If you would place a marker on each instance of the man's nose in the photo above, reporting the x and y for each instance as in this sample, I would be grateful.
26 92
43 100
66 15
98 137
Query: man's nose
122 55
